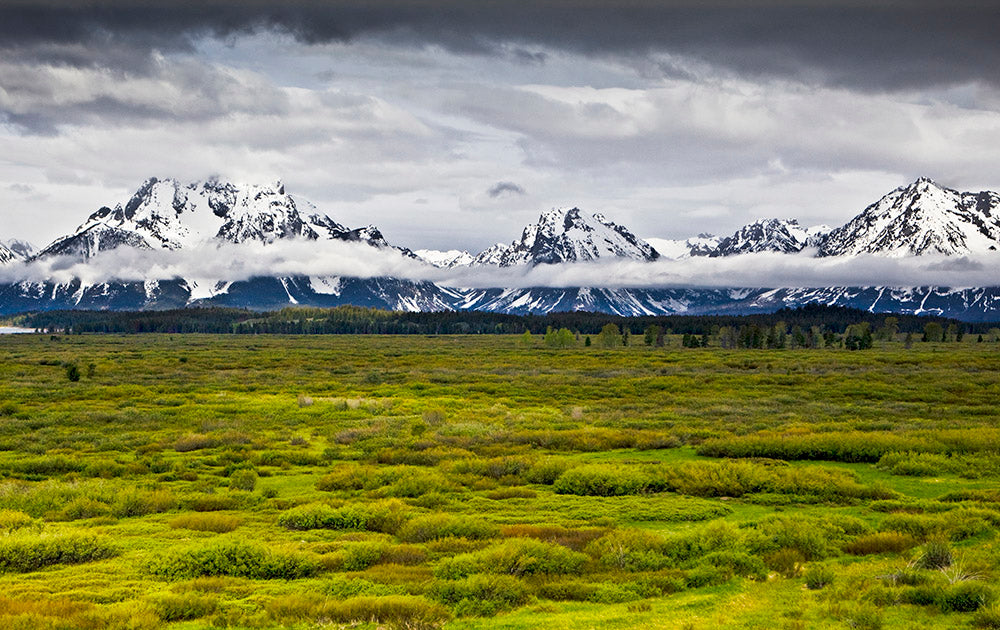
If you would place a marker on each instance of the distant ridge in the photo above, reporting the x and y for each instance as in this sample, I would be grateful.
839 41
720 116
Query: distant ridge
919 219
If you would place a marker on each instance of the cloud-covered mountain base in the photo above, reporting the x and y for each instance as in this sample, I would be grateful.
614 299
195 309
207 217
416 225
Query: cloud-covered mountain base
979 304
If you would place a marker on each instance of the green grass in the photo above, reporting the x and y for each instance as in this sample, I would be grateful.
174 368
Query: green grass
471 482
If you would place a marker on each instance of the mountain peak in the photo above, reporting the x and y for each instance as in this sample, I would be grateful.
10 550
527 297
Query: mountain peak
569 235
921 218
7 255
163 213
784 236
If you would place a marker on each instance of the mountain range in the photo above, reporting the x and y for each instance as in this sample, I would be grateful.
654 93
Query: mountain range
920 219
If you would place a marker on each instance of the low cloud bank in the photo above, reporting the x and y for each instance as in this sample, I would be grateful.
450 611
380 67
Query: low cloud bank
211 263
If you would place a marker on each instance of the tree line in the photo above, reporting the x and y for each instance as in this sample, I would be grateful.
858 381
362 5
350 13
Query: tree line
812 325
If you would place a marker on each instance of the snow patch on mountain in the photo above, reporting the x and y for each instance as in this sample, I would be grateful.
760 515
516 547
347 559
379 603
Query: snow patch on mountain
445 259
675 249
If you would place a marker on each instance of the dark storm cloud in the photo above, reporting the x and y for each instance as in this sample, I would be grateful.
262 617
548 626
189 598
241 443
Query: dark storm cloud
500 189
872 46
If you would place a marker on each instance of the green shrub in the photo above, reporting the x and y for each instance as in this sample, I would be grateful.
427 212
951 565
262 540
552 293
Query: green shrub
908 577
635 550
935 555
854 446
398 611
738 478
954 524
344 587
360 556
416 484
922 595
142 502
546 471
81 508
706 575
987 617
206 522
21 554
511 493
787 561
14 520
243 480
517 556
966 597
494 468
818 576
45 466
567 590
379 516
737 563
866 618
437 526
812 538
480 595
614 593
234 558
347 477
575 538
601 481
880 542
881 596
916 464
212 502
310 516
184 606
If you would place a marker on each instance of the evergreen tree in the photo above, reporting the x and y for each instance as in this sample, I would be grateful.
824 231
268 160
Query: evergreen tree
651 334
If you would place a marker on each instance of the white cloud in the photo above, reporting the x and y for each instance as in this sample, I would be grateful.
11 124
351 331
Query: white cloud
210 263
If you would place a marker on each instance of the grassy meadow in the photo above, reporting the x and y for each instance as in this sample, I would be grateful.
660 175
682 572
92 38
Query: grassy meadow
473 482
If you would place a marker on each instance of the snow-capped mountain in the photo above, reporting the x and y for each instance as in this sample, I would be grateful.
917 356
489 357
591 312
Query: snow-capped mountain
784 236
569 235
448 259
7 255
166 214
675 249
921 218
23 249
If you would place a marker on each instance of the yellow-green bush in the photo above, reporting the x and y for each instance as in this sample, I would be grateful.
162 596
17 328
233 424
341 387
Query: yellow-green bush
234 558
22 553
206 522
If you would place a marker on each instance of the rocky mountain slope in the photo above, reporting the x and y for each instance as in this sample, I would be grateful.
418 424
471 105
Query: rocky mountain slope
7 255
166 214
921 218
784 236
569 235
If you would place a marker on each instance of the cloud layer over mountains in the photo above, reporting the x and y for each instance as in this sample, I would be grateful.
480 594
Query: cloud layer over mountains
209 263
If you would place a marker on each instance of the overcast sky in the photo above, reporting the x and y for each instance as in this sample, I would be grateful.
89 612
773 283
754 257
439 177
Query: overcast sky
452 123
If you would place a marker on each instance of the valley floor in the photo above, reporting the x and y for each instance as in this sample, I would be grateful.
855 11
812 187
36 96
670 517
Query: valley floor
198 481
